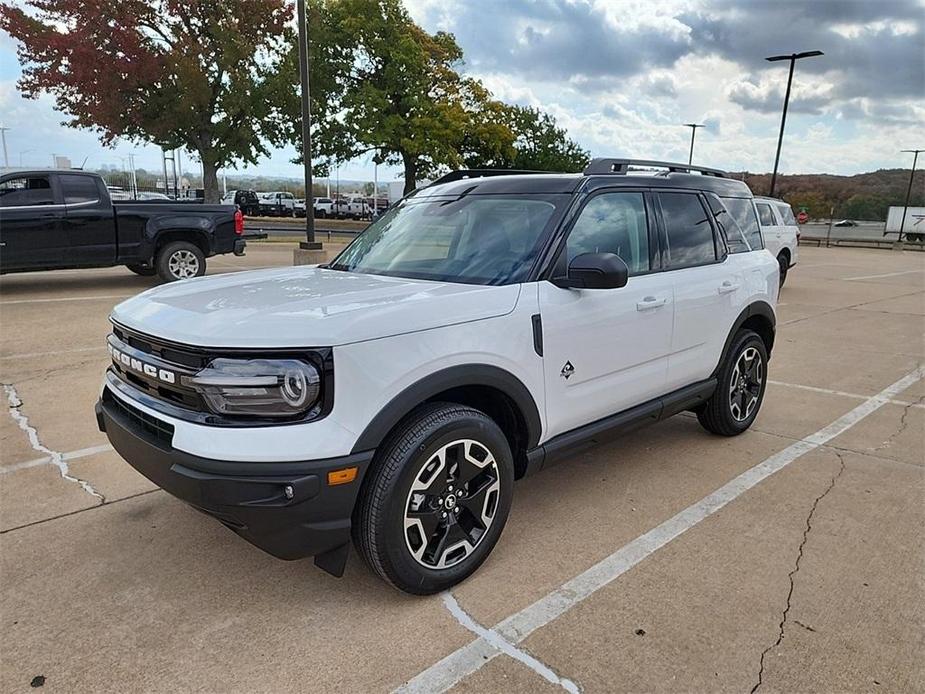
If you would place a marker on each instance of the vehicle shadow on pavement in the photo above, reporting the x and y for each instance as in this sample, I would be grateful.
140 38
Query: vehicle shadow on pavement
18 285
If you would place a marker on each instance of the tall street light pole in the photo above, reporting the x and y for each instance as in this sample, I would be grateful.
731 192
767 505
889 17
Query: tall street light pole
693 127
793 58
915 159
309 243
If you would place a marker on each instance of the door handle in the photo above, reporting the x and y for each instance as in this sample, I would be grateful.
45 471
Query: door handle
650 302
728 287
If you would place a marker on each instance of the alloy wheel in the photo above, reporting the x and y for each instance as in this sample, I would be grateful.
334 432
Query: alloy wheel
451 504
745 384
183 264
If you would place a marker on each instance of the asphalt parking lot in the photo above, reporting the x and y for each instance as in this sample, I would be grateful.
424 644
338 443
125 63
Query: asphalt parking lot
787 559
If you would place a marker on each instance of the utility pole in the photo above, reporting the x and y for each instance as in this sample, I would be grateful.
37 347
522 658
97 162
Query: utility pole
915 159
309 244
793 58
693 127
6 158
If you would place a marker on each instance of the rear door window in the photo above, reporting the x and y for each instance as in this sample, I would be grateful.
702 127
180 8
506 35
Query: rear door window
26 191
690 235
765 214
77 189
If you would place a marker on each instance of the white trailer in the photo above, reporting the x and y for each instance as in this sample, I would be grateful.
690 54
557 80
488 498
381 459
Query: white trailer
914 226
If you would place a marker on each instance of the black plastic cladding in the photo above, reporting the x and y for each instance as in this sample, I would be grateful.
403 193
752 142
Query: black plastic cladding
198 357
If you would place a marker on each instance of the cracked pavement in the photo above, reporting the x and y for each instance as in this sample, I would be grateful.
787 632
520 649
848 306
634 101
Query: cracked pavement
809 581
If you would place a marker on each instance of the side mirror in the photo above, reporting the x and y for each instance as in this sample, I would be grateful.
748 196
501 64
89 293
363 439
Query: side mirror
595 271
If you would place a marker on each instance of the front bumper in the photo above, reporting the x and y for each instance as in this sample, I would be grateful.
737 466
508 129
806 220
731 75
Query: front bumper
249 498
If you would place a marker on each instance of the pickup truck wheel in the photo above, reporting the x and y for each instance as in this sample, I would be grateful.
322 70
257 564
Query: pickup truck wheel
143 270
784 266
180 260
739 389
435 499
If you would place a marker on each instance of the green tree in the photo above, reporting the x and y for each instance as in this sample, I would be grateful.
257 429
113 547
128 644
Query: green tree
189 74
538 143
382 84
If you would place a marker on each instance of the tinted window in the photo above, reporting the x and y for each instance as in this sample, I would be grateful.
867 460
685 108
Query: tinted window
613 223
78 189
786 214
475 239
32 190
728 226
765 214
744 212
690 236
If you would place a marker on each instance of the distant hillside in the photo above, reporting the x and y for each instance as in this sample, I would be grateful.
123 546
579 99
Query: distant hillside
864 196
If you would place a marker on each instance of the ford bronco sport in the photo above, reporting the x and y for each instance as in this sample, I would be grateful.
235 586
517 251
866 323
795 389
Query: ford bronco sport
485 326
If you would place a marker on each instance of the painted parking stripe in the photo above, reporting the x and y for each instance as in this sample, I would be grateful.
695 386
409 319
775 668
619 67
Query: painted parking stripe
73 455
66 298
828 391
468 659
886 274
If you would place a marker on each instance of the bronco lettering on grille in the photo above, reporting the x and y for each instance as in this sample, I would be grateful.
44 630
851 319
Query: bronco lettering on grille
141 367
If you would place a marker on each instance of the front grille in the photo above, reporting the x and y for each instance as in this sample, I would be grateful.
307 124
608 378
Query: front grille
155 428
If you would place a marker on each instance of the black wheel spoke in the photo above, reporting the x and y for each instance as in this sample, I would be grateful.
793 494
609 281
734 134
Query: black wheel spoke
474 502
429 519
466 470
452 534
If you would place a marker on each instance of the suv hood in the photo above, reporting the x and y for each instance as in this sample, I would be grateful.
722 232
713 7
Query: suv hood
305 307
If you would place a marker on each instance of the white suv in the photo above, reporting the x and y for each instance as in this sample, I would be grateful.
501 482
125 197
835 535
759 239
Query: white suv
780 232
482 328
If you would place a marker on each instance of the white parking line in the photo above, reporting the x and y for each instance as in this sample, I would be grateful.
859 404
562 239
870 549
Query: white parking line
73 455
468 659
887 274
856 396
66 298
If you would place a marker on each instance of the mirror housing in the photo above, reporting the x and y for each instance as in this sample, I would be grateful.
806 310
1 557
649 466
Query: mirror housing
595 271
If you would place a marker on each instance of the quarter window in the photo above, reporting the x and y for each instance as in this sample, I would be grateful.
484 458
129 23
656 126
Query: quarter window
765 214
728 226
743 211
690 236
786 214
613 223
26 191
78 189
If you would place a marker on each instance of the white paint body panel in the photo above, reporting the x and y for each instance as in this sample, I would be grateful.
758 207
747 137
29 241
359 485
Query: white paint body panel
389 333
780 235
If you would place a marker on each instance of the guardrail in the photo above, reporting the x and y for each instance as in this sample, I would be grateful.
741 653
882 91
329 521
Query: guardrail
820 241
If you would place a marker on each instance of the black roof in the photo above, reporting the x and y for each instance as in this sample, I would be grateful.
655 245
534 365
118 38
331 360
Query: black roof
600 173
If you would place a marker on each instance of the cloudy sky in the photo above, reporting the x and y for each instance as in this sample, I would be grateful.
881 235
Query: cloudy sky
622 76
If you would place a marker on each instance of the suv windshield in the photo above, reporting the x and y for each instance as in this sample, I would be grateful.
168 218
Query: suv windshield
475 239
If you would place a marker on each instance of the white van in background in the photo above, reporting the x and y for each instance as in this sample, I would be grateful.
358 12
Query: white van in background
779 230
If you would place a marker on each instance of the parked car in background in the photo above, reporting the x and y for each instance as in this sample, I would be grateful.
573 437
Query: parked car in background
324 207
485 327
58 219
846 223
247 200
352 208
780 232
299 208
277 204
118 193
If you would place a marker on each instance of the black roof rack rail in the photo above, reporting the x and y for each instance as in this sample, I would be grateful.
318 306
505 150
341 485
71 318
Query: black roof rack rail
482 173
621 166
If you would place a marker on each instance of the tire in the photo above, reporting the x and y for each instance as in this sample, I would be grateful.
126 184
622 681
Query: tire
427 541
143 270
784 263
723 413
180 260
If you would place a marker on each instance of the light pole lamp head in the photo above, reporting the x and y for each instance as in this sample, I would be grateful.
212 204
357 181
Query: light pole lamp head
794 56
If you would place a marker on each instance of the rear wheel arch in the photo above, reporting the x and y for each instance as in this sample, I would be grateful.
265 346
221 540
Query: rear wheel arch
757 316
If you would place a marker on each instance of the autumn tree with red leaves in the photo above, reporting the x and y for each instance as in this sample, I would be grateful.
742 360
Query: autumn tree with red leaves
175 73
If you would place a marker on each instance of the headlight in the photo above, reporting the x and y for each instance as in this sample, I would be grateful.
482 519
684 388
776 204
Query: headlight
262 387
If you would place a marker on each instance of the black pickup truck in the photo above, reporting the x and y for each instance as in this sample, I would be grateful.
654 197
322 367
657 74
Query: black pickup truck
55 219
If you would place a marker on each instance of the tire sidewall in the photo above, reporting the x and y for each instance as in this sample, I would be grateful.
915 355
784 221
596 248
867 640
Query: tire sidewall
784 266
163 261
408 571
746 340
